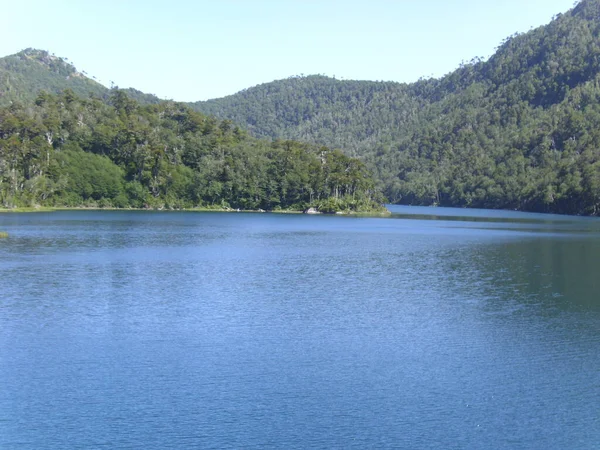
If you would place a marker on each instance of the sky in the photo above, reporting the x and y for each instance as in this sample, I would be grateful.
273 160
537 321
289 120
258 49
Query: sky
189 50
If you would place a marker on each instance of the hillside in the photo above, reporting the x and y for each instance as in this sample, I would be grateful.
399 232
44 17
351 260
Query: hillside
347 114
539 67
518 131
24 74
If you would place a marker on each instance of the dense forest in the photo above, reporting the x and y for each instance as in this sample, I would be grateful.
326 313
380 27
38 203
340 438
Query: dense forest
63 150
517 131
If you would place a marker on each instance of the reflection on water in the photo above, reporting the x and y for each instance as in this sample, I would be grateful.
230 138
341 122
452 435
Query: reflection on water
461 329
500 220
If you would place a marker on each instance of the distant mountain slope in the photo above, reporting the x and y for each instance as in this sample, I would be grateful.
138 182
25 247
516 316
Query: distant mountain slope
538 67
25 74
517 131
346 114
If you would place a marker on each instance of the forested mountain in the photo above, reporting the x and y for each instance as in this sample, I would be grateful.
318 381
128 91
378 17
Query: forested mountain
518 131
347 114
25 74
67 151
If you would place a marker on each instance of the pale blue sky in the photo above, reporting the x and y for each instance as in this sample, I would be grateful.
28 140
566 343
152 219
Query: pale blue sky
194 50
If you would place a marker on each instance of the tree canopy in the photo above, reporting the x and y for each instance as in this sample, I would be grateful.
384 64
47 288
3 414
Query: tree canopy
65 150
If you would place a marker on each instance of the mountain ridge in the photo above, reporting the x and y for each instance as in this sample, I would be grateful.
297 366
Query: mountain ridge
516 131
26 73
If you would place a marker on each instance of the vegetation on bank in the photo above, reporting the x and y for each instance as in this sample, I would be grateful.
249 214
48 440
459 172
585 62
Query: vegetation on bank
65 151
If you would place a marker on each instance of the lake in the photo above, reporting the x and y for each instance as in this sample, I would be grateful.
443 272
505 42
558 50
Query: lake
433 328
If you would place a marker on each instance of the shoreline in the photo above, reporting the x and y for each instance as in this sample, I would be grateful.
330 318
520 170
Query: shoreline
200 209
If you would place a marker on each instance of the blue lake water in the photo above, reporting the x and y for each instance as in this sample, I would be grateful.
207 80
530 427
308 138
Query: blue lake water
434 328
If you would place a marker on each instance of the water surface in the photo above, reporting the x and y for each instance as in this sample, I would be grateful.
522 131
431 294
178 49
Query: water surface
434 328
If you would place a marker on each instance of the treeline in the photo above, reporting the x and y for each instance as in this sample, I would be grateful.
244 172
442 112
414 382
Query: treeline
519 131
64 150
